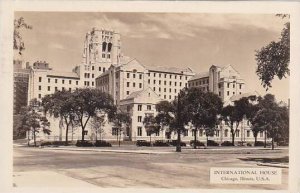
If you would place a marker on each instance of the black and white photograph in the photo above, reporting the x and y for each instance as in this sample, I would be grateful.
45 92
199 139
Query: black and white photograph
141 99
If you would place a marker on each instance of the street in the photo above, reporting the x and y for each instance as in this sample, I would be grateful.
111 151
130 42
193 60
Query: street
189 169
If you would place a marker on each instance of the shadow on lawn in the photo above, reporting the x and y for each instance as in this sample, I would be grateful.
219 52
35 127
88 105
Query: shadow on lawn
284 159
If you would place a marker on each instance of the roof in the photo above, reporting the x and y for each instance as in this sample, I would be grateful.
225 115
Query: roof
238 97
63 74
169 69
200 75
134 94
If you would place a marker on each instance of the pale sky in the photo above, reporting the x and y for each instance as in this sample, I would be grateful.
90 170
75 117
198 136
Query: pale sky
181 40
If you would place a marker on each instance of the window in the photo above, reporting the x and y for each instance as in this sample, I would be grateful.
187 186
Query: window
92 83
114 131
159 82
170 97
77 82
240 86
148 107
139 131
233 93
133 84
100 69
63 88
159 75
40 79
70 89
165 82
228 84
159 89
186 132
226 133
154 74
153 88
170 90
48 88
154 81
180 77
133 75
140 76
220 85
139 107
148 81
128 84
180 84
248 123
139 119
248 133
56 88
217 133
157 133
128 75
40 96
233 85
70 81
140 85
165 97
127 92
175 83
170 83
237 133
261 134
227 93
148 133
170 76
175 90
201 132
165 90
219 93
165 75
92 75
48 80
103 69
63 81
40 87
93 67
175 76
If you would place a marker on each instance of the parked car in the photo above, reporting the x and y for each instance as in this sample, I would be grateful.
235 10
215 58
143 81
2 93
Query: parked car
198 143
212 143
226 143
161 143
142 143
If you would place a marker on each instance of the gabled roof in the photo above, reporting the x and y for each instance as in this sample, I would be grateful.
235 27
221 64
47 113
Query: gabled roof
169 69
200 75
238 97
136 94
63 74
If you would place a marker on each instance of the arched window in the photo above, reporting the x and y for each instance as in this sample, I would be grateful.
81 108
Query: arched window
104 46
109 47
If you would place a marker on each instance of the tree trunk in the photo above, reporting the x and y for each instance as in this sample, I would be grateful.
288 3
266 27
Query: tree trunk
120 138
178 147
255 140
272 143
232 137
265 145
28 138
195 138
150 139
96 133
34 139
82 135
67 131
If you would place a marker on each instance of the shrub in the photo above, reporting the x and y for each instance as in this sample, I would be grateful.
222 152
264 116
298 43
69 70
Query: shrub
102 143
226 143
259 143
212 143
174 143
160 143
198 143
81 143
59 143
46 143
142 143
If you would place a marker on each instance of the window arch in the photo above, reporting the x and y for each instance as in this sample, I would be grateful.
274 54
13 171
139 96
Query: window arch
109 47
104 46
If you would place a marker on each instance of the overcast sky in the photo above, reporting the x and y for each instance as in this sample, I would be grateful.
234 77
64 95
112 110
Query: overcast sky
173 39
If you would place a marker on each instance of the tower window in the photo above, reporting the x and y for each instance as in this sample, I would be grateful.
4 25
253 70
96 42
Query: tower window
104 46
109 47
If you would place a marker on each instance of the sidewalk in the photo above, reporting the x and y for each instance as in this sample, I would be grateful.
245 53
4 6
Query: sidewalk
42 179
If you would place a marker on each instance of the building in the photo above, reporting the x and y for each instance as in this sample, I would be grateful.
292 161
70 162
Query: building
224 81
131 76
135 88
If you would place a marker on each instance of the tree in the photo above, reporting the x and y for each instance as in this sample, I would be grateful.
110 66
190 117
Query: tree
121 120
33 121
97 123
89 102
233 115
273 59
18 43
61 105
201 109
271 118
151 125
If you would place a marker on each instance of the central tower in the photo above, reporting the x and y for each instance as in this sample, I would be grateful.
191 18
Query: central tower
102 48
